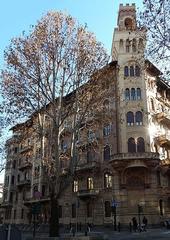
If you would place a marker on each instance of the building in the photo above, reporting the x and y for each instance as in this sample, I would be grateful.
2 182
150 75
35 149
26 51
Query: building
124 158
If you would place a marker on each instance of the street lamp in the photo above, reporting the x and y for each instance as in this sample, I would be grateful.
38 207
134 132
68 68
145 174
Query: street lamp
140 210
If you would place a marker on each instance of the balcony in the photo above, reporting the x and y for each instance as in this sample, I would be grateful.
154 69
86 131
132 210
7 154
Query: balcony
26 149
130 160
88 193
134 156
163 140
24 183
163 118
88 166
25 165
33 200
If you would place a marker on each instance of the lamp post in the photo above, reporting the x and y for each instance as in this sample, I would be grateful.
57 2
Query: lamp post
140 210
114 206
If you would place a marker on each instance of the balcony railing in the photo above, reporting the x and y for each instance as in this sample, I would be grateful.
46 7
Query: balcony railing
163 118
23 183
163 140
25 165
88 193
139 155
88 165
33 200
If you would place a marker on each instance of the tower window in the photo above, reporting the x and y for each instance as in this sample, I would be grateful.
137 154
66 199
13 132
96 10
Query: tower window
134 45
131 71
137 71
128 24
127 94
133 94
139 118
107 130
140 145
131 145
107 180
138 93
127 46
130 118
126 71
121 44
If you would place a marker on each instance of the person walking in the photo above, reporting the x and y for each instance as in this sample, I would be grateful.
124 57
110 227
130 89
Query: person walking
145 223
135 224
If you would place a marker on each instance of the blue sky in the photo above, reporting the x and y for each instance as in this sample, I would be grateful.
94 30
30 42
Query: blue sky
18 15
99 15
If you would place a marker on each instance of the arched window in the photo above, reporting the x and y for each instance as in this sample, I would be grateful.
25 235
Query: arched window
133 94
106 153
90 183
107 207
121 44
107 130
131 145
140 145
127 45
134 45
131 71
126 71
128 24
137 71
107 180
140 44
127 94
139 118
138 93
130 118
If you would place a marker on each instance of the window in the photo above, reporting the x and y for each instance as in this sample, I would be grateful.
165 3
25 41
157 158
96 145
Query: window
130 118
15 211
140 45
131 145
75 186
13 180
90 184
139 118
73 210
126 71
137 71
121 44
107 208
107 130
107 180
133 94
132 71
22 213
127 46
90 154
138 93
60 211
127 94
140 145
106 153
43 190
106 105
91 135
134 45
128 24
89 209
161 207
152 105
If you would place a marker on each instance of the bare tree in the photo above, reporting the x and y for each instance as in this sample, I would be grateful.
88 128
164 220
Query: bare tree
53 72
155 18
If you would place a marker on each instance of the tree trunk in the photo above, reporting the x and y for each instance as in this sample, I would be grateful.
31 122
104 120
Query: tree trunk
54 218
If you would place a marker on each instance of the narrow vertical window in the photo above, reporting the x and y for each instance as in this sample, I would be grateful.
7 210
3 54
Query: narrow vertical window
121 44
133 94
75 186
107 180
152 105
134 45
127 46
140 145
139 118
90 184
138 93
127 94
132 71
131 145
107 207
130 118
73 208
126 71
106 153
137 71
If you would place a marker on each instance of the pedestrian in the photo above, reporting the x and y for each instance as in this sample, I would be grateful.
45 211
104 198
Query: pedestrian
145 223
118 226
130 227
135 224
